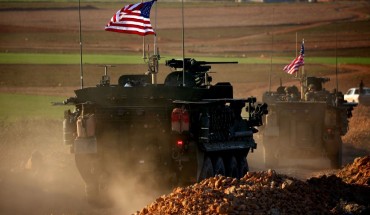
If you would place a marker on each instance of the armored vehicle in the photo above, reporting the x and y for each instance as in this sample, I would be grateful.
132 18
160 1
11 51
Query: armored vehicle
305 124
182 130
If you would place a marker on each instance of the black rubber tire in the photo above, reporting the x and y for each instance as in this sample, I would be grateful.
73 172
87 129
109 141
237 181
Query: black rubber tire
335 162
336 156
207 169
219 167
243 167
232 168
92 194
87 166
96 182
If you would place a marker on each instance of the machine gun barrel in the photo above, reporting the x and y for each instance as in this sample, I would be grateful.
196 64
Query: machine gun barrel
217 62
192 63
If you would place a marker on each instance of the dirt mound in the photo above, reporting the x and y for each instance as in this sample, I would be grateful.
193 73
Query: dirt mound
358 172
268 192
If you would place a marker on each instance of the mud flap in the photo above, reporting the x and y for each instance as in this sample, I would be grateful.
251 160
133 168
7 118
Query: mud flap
85 145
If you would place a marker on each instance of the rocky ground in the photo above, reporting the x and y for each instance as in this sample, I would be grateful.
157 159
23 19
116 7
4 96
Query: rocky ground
286 190
268 192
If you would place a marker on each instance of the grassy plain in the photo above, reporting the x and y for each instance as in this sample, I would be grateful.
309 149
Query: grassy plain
50 58
15 107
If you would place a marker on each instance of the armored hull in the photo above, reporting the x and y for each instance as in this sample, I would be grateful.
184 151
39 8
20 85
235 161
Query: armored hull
305 128
181 133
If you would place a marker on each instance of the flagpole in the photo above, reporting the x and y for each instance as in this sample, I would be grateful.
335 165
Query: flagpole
155 27
296 44
303 74
80 35
144 55
155 51
336 58
303 77
296 49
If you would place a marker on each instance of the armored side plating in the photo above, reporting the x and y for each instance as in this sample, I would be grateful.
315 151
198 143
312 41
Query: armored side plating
185 129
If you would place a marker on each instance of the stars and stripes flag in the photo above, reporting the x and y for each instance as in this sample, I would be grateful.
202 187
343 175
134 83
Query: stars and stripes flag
132 19
296 63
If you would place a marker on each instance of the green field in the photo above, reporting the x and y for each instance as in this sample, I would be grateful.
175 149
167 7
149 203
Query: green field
82 1
14 107
32 58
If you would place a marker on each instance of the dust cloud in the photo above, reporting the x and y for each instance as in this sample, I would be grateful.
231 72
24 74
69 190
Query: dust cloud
38 175
130 194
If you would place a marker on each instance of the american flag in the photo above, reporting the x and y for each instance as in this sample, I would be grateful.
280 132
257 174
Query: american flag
296 63
132 19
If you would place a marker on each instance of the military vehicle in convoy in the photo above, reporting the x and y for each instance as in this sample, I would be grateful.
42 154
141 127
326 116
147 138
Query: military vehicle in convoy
304 124
183 130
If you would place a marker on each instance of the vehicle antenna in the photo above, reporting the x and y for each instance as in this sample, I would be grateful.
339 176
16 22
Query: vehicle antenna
80 34
183 44
272 49
144 54
303 78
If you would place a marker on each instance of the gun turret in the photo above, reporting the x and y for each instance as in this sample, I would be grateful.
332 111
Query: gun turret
194 66
317 82
195 73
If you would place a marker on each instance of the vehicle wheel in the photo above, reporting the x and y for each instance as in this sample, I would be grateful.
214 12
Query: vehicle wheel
219 167
335 155
92 193
232 168
335 162
243 167
207 169
87 165
96 182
